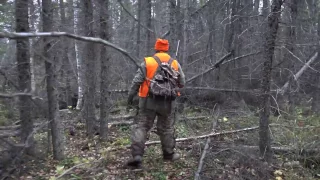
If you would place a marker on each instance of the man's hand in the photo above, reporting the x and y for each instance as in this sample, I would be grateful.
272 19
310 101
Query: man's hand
130 102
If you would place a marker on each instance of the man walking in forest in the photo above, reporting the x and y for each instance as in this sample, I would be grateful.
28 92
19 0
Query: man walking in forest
157 82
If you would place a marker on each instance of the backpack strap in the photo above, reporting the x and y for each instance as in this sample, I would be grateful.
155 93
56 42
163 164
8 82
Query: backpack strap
170 61
159 62
157 59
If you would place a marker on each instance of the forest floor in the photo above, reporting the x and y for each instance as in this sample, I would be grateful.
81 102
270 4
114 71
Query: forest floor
227 156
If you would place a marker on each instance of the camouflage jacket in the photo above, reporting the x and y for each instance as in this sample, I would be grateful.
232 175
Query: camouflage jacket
140 77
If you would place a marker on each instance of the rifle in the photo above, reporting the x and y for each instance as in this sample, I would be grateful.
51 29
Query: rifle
177 48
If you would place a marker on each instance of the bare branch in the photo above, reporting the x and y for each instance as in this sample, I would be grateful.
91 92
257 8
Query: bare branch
12 35
14 95
70 169
206 147
215 66
9 134
223 90
3 73
206 136
163 36
299 73
296 57
127 11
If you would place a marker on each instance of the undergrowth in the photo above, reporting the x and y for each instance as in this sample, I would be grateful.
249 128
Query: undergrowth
225 158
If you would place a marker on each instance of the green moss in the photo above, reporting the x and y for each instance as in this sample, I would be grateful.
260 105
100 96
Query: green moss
159 175
121 141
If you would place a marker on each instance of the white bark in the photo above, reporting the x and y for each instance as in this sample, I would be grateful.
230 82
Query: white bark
80 83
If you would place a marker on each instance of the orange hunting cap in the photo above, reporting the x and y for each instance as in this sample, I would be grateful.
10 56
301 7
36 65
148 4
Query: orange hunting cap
161 45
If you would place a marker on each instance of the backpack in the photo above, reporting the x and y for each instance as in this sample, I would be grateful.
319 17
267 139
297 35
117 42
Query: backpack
165 80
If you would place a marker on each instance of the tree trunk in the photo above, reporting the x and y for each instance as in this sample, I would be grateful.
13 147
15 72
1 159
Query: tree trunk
24 75
32 29
90 60
53 112
104 34
172 27
293 5
139 29
256 7
271 34
66 66
184 48
72 54
229 30
79 58
316 92
146 34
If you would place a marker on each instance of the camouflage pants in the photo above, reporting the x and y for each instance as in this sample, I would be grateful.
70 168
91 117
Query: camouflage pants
149 109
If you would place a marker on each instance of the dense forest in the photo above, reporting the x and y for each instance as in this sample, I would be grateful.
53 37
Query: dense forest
250 108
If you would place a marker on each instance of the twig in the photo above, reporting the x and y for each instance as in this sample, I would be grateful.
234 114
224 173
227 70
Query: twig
127 11
299 73
206 147
70 169
216 65
24 146
300 59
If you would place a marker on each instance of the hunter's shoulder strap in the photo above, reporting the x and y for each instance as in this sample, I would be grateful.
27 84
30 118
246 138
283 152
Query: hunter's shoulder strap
159 61
170 61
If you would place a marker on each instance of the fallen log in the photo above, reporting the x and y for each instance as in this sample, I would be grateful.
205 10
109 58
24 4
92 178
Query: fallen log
9 134
284 88
287 149
115 118
149 143
223 90
9 127
194 117
120 123
206 136
126 117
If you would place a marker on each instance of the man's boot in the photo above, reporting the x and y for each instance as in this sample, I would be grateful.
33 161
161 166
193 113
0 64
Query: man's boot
171 157
135 162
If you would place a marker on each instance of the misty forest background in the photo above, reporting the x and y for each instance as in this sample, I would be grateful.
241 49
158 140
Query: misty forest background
252 70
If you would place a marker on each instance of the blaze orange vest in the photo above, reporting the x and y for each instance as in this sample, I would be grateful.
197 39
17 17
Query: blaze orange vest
151 68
